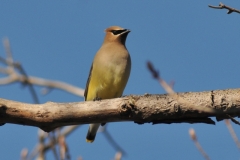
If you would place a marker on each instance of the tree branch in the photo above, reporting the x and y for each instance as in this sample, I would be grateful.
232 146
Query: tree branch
15 77
16 73
222 6
197 144
140 109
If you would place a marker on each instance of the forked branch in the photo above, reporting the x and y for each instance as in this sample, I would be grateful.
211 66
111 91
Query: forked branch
223 6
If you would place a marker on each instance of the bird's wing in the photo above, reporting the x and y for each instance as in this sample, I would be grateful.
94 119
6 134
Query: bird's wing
88 81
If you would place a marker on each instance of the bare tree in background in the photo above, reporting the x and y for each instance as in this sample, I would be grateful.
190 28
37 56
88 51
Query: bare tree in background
55 141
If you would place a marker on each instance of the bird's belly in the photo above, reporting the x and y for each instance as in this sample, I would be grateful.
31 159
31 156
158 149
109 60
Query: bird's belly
111 87
109 80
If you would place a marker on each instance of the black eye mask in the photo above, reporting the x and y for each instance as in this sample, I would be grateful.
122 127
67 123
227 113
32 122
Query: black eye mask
116 32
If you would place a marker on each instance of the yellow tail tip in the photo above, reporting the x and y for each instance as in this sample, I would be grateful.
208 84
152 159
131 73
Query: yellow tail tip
89 140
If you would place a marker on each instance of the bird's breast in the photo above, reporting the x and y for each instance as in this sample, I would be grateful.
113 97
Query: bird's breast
110 76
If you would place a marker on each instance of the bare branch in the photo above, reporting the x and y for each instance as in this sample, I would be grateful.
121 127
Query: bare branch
140 109
52 137
110 139
222 6
171 92
64 150
234 120
7 47
197 144
11 65
232 132
24 154
41 154
66 131
26 82
118 156
43 82
16 73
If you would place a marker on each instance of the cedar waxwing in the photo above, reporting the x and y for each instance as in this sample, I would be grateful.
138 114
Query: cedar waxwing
109 72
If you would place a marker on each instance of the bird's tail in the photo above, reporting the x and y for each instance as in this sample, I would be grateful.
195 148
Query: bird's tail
92 131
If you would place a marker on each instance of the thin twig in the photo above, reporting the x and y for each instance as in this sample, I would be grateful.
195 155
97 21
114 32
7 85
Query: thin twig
7 47
66 131
64 150
14 76
118 156
222 6
13 65
197 144
43 82
31 88
51 136
112 141
41 153
24 154
171 92
233 120
232 132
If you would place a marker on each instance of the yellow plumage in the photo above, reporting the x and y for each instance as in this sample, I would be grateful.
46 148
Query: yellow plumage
109 72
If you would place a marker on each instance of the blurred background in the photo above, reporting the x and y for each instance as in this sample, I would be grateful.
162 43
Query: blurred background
189 43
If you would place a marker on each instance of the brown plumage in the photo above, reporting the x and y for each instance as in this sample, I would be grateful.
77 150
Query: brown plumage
109 72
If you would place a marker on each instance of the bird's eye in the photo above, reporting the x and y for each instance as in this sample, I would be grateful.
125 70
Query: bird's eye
116 32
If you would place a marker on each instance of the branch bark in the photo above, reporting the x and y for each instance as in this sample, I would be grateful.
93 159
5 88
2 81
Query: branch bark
223 6
140 109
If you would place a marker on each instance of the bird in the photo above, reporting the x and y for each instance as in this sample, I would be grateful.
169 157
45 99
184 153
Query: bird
109 72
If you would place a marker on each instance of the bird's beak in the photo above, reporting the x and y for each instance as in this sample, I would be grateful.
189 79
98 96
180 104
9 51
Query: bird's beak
126 31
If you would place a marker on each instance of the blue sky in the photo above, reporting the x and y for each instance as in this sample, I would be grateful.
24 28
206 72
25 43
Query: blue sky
188 42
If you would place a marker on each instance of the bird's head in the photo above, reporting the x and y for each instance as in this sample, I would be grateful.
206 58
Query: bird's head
116 34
